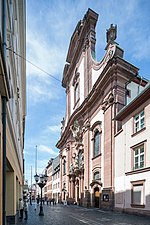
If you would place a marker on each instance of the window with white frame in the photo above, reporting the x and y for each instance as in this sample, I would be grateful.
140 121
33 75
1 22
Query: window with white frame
139 121
139 157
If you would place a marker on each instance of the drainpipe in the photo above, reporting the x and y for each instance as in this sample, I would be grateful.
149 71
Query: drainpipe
4 27
4 158
4 116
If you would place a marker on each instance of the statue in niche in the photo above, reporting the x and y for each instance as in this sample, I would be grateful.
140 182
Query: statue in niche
71 169
76 131
76 161
81 160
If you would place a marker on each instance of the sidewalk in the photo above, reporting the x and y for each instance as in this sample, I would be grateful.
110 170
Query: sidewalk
75 215
35 219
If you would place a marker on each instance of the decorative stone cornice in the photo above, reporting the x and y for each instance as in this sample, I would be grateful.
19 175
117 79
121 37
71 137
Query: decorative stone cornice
107 102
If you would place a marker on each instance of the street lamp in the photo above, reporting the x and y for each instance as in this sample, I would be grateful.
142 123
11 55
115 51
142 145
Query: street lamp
41 180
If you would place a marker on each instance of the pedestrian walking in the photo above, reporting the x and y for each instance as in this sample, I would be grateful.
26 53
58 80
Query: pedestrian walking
21 208
25 206
38 199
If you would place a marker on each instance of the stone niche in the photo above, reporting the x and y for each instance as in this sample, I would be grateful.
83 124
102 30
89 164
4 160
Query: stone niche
85 199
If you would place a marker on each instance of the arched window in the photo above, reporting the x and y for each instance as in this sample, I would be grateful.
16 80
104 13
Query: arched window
96 175
96 144
64 166
76 92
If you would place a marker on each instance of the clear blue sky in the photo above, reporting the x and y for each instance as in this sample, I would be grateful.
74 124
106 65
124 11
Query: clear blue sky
50 24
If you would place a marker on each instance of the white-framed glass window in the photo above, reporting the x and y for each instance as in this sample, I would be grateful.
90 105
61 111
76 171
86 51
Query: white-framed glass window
139 157
139 121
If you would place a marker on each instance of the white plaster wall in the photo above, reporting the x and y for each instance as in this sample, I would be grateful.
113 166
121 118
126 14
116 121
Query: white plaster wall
131 141
140 176
123 143
100 66
98 117
81 71
71 99
119 168
96 74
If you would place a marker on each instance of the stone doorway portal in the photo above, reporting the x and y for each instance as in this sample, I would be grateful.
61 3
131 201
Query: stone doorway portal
96 197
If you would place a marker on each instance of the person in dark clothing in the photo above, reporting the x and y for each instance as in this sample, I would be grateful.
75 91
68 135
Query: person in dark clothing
21 208
25 206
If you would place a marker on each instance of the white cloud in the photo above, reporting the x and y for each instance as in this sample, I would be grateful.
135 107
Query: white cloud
43 148
48 57
39 92
55 128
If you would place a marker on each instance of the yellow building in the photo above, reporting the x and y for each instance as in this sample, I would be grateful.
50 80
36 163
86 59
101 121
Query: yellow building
12 105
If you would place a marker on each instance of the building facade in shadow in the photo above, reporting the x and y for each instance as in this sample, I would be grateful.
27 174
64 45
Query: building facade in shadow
12 106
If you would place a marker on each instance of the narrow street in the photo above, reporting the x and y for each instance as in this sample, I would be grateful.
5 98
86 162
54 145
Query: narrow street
75 215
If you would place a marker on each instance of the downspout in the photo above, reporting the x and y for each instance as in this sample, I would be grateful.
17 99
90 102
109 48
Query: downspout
4 158
4 27
4 117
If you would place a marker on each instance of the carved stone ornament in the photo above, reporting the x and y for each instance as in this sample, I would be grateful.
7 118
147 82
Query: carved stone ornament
111 98
108 101
71 169
76 131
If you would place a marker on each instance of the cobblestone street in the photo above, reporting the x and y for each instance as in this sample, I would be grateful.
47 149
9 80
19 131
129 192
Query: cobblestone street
75 215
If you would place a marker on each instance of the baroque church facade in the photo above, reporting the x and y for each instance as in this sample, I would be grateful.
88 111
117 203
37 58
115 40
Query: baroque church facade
95 93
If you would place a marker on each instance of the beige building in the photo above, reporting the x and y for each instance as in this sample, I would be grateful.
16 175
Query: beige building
95 93
48 192
56 179
12 105
132 144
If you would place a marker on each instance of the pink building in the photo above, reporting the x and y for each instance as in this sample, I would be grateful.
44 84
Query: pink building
95 93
